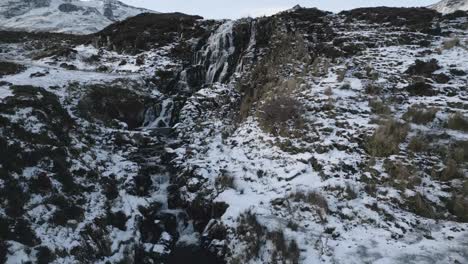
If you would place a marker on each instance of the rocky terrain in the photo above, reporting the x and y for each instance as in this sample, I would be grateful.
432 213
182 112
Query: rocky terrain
304 137
450 6
63 16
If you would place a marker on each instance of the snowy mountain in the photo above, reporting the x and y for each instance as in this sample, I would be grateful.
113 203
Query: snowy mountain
450 6
64 16
300 138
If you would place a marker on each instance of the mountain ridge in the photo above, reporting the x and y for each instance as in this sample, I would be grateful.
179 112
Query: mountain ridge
450 6
64 16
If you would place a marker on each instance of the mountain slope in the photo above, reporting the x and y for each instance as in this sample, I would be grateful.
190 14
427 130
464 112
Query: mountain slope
304 137
64 16
450 6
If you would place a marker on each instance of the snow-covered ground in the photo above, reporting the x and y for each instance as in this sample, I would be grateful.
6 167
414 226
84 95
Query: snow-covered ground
312 194
75 17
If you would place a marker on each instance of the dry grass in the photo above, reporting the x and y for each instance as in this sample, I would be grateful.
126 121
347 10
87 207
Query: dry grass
280 115
419 205
378 107
387 138
328 91
252 233
224 182
458 121
284 252
451 171
373 89
451 43
419 114
459 207
418 144
403 176
314 199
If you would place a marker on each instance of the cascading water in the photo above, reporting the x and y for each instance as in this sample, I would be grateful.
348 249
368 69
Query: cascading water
249 55
215 54
159 119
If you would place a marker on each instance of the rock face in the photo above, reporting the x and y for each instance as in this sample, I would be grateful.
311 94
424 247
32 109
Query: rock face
450 6
304 137
64 16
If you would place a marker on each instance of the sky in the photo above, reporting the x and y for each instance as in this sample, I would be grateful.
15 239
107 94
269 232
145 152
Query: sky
219 9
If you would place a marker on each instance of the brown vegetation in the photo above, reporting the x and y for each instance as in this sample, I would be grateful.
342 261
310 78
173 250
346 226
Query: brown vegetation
387 138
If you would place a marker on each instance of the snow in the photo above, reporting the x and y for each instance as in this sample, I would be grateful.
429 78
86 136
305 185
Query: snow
210 144
450 6
5 92
90 19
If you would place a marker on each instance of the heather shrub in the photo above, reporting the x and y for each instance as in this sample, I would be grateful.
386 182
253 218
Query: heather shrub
314 199
419 114
251 232
284 252
419 205
403 176
378 107
458 121
418 144
224 182
451 171
387 138
373 89
458 206
280 115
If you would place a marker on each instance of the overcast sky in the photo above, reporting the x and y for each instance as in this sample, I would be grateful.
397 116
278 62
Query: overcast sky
241 8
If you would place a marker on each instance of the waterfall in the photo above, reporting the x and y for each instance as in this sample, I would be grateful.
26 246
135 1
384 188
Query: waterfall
249 54
161 119
215 54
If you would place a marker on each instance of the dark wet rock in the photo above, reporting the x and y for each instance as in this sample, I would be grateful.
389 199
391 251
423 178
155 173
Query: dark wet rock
18 230
146 31
38 74
118 220
441 78
48 110
423 68
41 184
421 89
69 67
10 68
68 8
140 60
457 72
202 211
56 51
455 15
418 19
44 37
193 255
102 68
108 103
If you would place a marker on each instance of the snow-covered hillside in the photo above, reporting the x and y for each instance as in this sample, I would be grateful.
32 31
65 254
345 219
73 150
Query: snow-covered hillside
450 6
301 138
64 16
